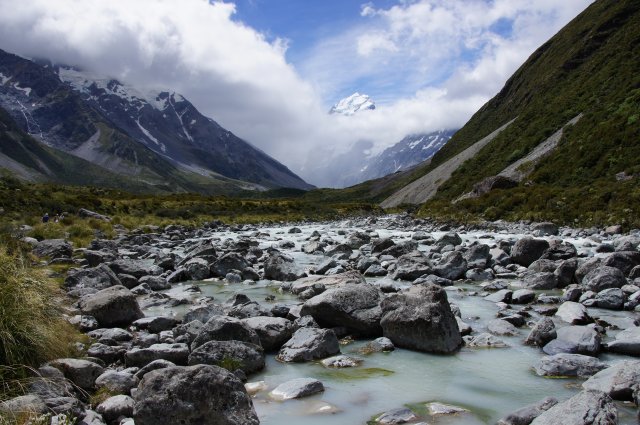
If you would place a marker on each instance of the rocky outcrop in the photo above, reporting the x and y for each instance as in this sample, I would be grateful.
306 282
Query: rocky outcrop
421 319
355 307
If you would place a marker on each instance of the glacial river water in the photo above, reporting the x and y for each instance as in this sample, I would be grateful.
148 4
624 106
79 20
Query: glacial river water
489 383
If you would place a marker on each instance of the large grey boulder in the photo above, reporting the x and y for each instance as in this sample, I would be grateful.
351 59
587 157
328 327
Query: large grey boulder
308 344
575 340
231 355
194 395
527 414
114 306
478 256
272 331
574 313
22 407
542 280
53 249
225 328
297 388
527 250
546 229
421 319
115 407
610 299
356 307
501 327
623 260
618 381
412 266
585 408
604 277
227 263
452 266
197 269
82 373
136 268
279 266
542 332
100 277
177 353
626 342
450 238
565 364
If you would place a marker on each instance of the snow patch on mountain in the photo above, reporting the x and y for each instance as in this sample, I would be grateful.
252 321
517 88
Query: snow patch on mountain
355 103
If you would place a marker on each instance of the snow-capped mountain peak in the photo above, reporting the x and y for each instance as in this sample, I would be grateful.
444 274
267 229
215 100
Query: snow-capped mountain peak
352 104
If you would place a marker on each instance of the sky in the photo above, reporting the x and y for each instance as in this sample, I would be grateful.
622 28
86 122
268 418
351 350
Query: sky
269 70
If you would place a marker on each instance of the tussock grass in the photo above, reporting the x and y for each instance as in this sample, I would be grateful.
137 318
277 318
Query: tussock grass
32 328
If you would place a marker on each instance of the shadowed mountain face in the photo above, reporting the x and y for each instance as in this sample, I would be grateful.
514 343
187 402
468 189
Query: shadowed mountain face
159 136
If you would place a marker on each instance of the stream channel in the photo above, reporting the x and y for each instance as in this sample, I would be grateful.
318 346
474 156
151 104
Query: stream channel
488 382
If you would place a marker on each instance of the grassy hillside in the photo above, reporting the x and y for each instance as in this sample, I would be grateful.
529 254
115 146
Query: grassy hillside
592 66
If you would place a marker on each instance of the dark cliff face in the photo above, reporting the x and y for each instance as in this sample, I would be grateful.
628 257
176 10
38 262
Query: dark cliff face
115 126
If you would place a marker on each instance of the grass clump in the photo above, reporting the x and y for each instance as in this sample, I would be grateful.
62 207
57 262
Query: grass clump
32 329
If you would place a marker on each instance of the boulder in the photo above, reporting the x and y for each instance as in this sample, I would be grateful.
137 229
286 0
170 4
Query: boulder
574 313
604 277
584 408
197 269
412 266
527 250
450 238
501 296
575 340
100 277
527 414
566 364
611 299
177 353
501 327
194 395
543 332
400 415
227 263
308 344
272 331
53 249
225 328
617 381
623 260
421 319
114 306
452 266
543 280
230 355
341 361
484 340
279 266
478 256
136 268
116 382
626 342
546 229
297 388
355 307
116 407
82 373
156 324
21 407
523 296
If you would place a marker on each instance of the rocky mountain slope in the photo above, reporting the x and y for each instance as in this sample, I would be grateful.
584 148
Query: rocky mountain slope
158 138
591 70
408 152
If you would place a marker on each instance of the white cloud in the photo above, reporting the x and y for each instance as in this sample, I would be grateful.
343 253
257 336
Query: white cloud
429 64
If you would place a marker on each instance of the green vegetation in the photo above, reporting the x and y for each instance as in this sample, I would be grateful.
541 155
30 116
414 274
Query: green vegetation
32 329
24 203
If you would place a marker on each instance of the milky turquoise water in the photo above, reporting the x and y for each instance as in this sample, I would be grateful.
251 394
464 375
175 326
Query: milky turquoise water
489 383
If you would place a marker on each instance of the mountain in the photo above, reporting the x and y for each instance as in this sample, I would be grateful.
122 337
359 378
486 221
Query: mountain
560 141
158 138
408 152
355 103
